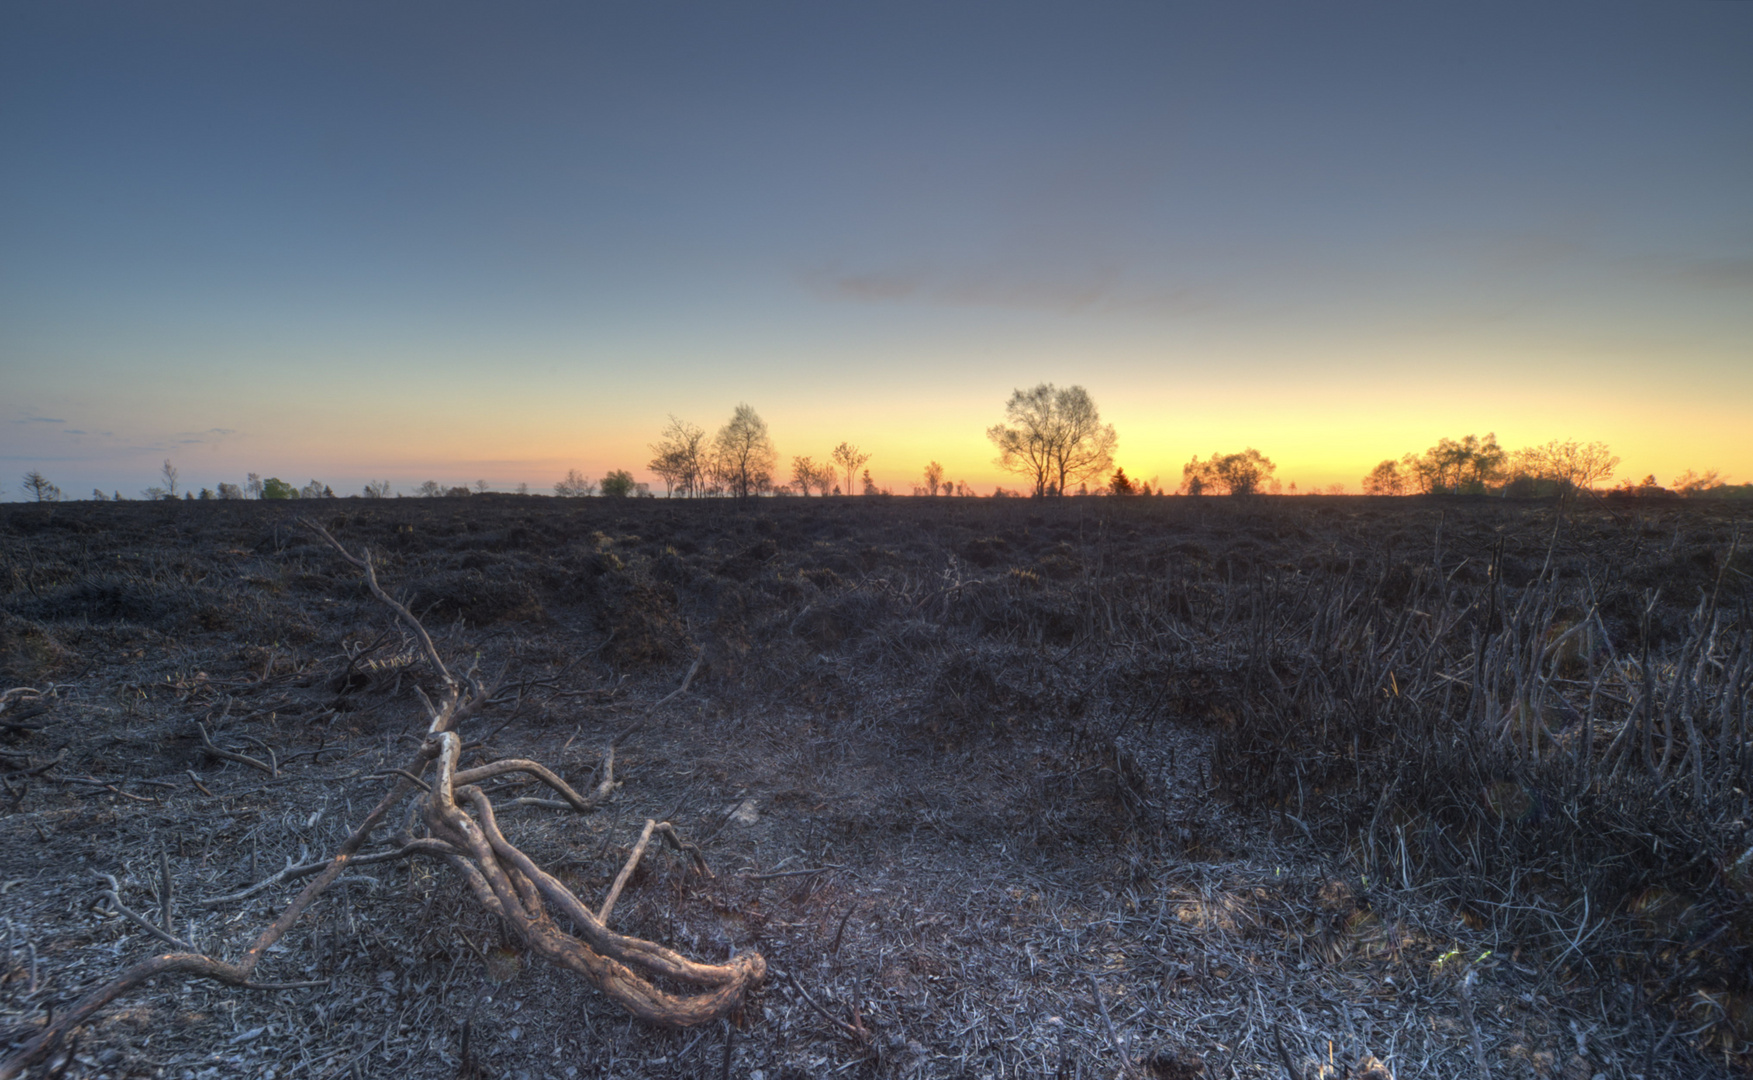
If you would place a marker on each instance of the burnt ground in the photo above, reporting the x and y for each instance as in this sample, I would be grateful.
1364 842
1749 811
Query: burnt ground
1150 787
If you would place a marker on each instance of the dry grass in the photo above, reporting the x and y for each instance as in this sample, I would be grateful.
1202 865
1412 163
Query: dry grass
1152 788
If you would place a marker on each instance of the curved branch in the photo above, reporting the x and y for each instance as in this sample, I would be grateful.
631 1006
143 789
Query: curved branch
365 565
611 961
547 776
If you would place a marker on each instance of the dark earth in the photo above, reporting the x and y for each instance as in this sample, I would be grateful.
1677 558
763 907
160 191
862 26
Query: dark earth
1093 787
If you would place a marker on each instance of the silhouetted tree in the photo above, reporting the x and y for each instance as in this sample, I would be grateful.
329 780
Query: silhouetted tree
743 453
39 487
574 486
1236 474
1384 479
1055 437
377 489
1120 484
618 484
1559 468
806 474
1687 483
934 478
681 458
850 459
1469 466
229 491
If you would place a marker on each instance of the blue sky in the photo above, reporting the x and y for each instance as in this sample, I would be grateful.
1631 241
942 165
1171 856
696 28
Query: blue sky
437 241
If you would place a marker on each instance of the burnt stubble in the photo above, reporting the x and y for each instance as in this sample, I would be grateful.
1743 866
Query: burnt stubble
1093 786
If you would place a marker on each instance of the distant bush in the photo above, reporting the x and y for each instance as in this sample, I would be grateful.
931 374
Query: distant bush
229 491
275 488
618 484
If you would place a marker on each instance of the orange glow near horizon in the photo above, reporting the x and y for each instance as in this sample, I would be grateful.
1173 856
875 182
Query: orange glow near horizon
1317 436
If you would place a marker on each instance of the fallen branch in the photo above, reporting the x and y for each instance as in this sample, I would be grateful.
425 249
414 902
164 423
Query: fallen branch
501 877
114 895
857 1033
294 872
241 759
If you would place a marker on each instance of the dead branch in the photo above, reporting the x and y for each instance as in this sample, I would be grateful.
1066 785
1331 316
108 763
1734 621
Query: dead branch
241 759
45 1042
626 872
114 895
857 1033
547 776
505 880
435 848
510 884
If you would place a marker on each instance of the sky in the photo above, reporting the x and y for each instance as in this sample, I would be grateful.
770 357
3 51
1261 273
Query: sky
417 241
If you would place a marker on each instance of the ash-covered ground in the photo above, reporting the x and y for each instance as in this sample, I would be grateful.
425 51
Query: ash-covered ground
1150 787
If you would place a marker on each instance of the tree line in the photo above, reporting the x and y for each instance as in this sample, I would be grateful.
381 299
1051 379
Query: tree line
1052 437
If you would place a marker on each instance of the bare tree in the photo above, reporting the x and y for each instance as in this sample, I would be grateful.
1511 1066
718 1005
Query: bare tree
170 474
1085 449
680 458
254 485
850 459
934 479
481 487
744 455
574 486
229 491
805 474
1569 465
429 489
1055 437
39 487
374 489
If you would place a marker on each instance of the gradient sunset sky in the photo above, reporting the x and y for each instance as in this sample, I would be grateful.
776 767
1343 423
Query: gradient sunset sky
412 241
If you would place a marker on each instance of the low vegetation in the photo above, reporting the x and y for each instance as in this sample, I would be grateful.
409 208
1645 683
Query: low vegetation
1164 787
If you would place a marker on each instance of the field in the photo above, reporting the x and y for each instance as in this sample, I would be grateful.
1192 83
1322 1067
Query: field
1151 787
